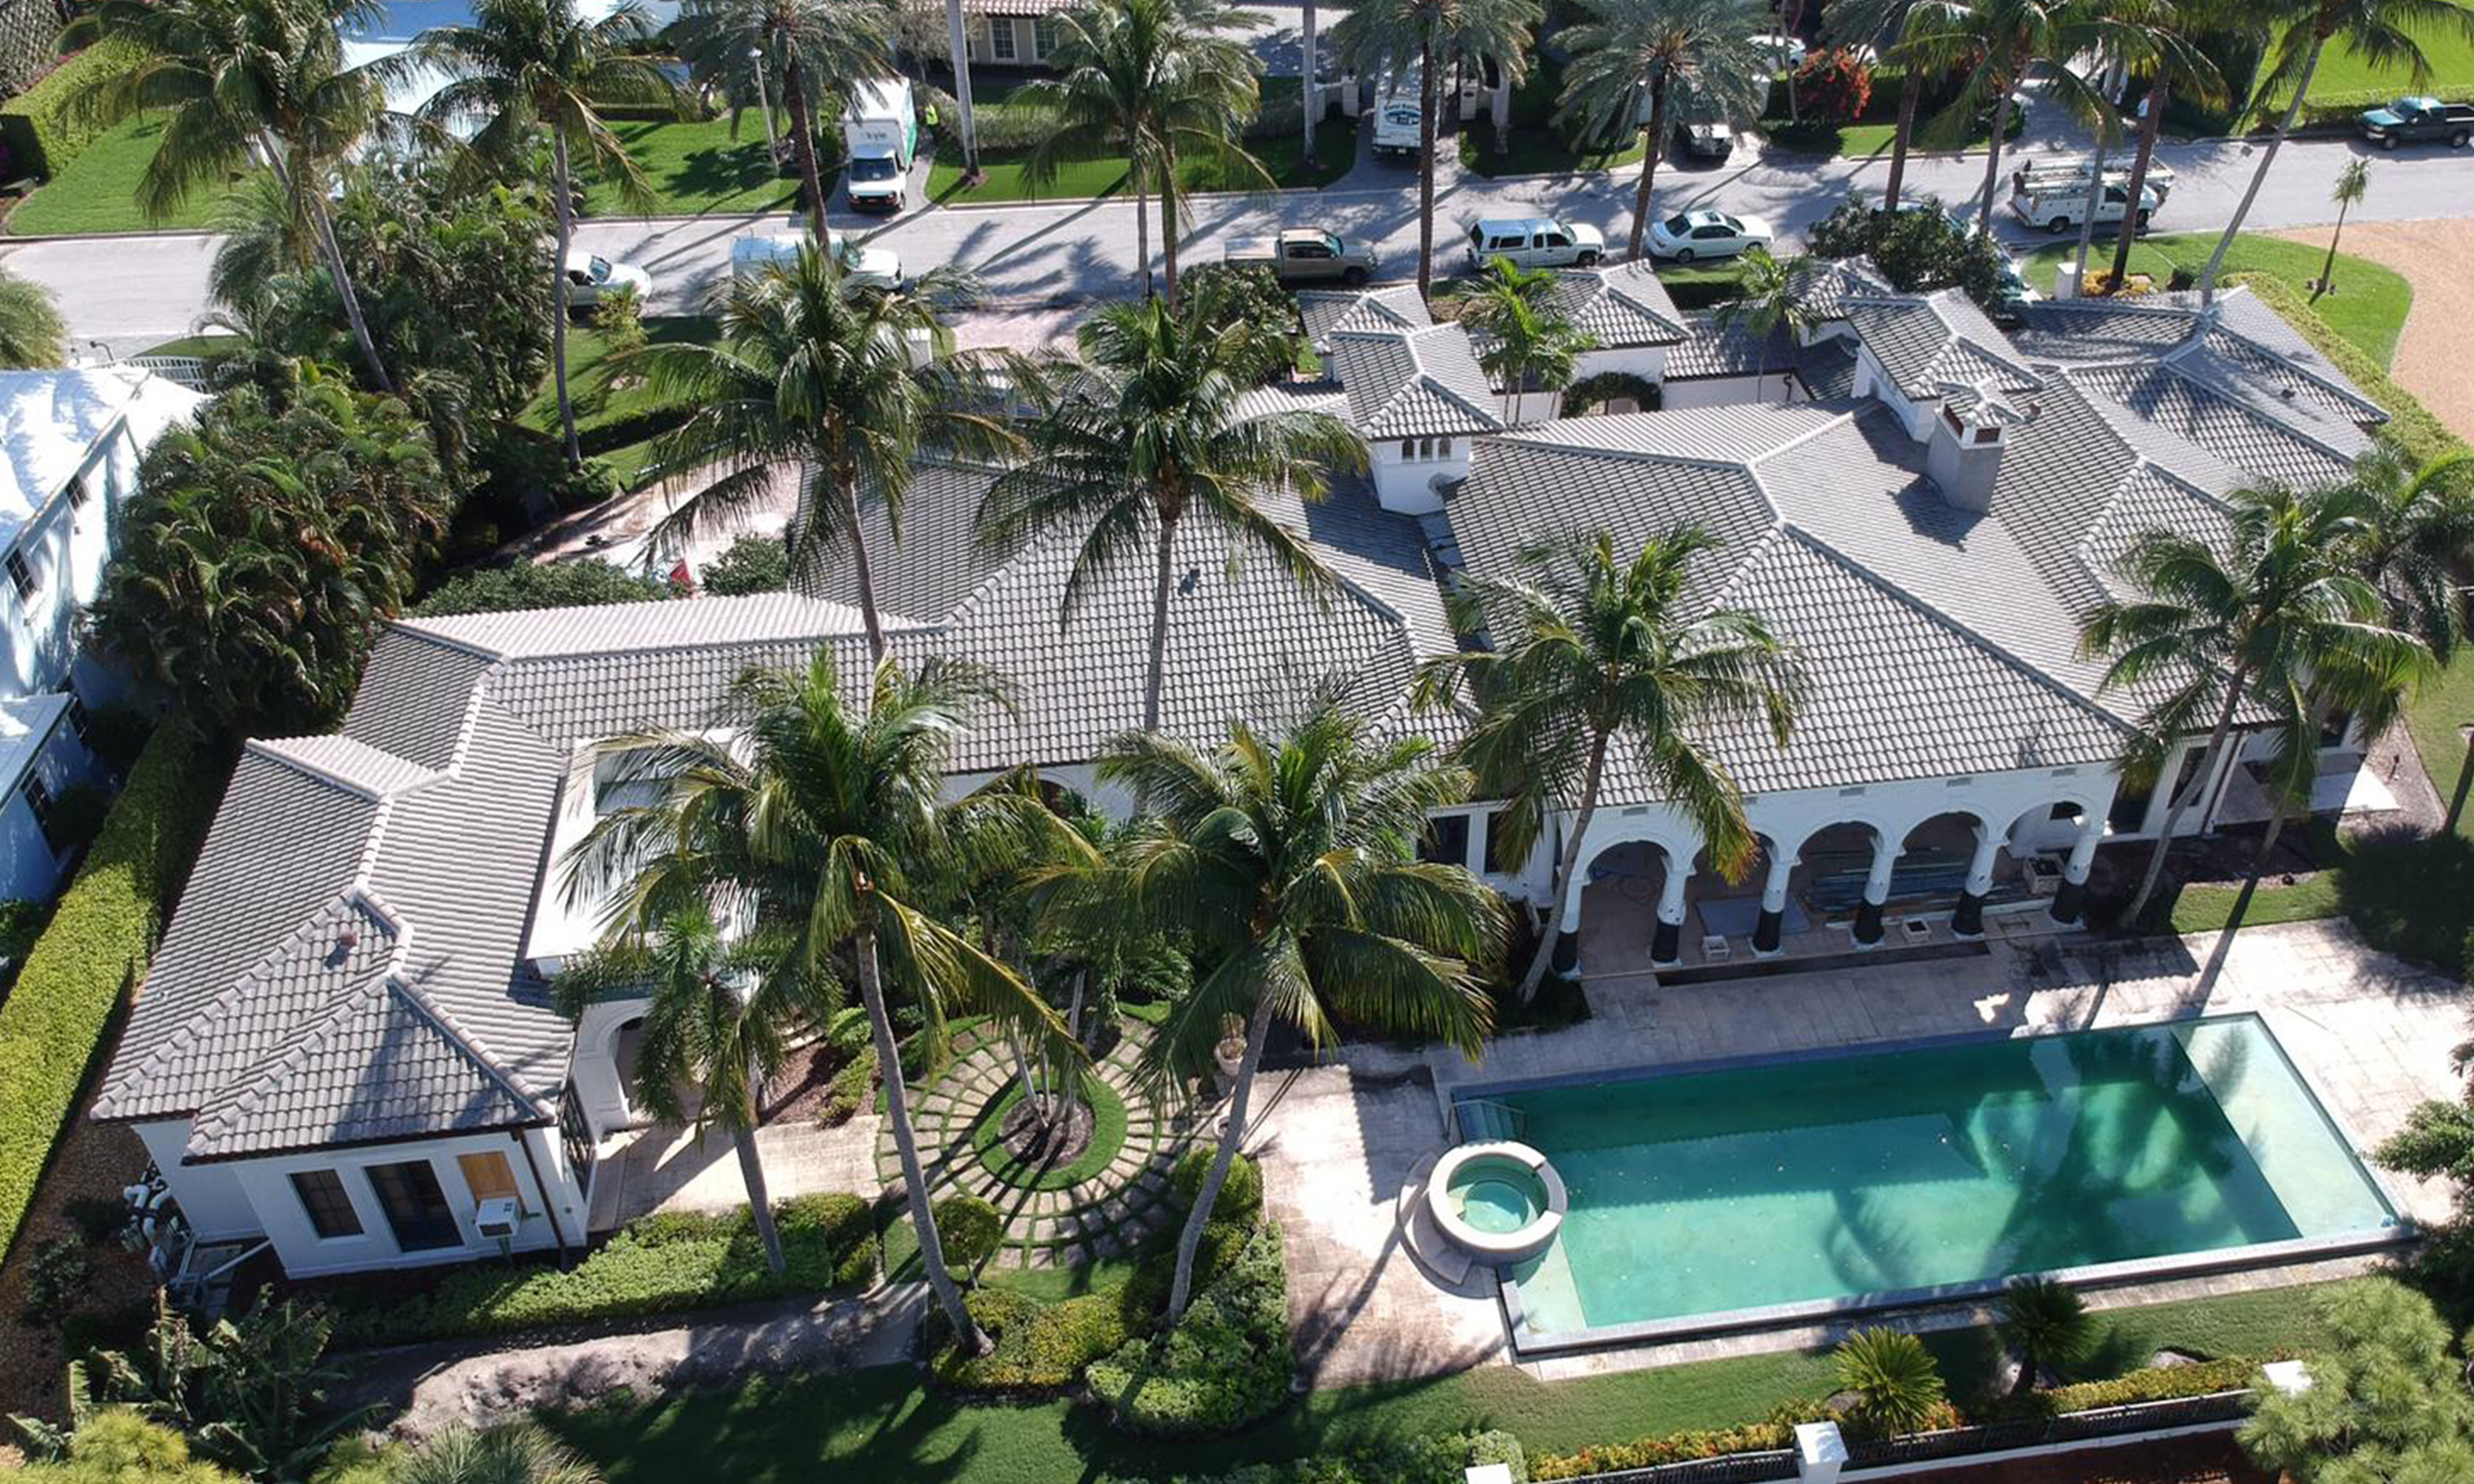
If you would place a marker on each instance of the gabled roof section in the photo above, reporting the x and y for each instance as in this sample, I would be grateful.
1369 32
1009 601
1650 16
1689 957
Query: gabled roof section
1940 337
1620 307
1833 282
1408 384
348 763
2240 331
2287 442
1331 312
50 421
626 627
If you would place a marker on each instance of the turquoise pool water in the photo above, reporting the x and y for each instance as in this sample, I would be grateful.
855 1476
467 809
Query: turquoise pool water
1827 1179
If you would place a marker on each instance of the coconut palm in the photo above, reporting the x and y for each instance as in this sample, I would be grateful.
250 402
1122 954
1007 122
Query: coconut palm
1523 337
2047 1323
1287 861
2419 532
1390 39
1148 429
718 1022
2182 69
1881 24
529 66
1897 1387
824 822
1641 64
2213 629
243 82
818 374
31 333
1993 44
1158 81
518 1453
958 52
1772 296
2144 39
810 49
1589 650
2387 35
2352 183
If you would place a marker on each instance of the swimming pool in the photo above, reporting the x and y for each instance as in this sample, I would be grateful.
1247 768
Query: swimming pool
1787 1189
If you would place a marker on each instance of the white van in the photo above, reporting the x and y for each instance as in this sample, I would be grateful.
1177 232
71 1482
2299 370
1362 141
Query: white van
881 138
1398 115
869 267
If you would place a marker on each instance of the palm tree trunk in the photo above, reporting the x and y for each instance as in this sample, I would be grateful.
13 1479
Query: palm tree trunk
803 128
2028 1368
562 208
323 231
2466 784
1190 1240
759 1200
1163 566
1142 224
2095 201
958 44
2328 269
967 1336
2259 178
1168 220
1910 90
2148 127
1793 18
862 569
1563 869
1426 105
2180 803
1993 156
1309 94
1651 134
2242 901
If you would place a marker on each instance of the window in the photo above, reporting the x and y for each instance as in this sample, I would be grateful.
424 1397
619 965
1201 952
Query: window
22 577
1446 840
323 1201
78 493
1678 225
1043 36
1408 448
79 721
489 1177
39 800
2063 812
1554 240
1309 252
416 1206
1000 38
621 782
1498 861
575 1138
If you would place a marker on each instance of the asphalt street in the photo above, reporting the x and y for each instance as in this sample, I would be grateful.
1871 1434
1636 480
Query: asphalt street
130 292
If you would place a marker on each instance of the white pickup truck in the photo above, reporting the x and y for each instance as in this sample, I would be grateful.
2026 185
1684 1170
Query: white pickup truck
2064 205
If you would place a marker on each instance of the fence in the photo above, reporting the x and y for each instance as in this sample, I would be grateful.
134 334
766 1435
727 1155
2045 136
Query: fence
187 370
30 32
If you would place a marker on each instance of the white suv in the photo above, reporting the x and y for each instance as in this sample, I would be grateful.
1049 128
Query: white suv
1534 242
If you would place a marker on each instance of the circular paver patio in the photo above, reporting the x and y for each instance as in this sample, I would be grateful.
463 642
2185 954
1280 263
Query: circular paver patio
1105 1215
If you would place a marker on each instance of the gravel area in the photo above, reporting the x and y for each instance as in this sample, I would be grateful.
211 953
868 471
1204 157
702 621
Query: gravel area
2437 259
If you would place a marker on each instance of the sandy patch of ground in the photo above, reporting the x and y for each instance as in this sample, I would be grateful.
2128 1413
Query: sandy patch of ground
2437 259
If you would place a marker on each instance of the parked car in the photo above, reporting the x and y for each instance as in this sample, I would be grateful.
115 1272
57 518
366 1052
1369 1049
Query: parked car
1305 255
880 131
1704 140
2057 211
869 267
1689 235
2419 121
1786 49
591 275
1534 242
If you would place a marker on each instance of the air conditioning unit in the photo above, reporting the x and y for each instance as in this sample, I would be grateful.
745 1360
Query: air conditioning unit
498 1218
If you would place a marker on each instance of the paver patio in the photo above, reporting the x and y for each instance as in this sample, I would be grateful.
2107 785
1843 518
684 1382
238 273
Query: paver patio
1339 1141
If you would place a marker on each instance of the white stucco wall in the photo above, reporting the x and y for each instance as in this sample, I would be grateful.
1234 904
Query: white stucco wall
1405 470
1731 391
210 1195
66 550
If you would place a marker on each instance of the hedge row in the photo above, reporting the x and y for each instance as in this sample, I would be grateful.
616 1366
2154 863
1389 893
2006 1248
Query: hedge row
94 953
2423 436
1226 1363
658 1265
1433 1460
40 136
2343 110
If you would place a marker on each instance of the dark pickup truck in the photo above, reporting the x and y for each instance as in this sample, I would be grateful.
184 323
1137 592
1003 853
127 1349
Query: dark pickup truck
2419 121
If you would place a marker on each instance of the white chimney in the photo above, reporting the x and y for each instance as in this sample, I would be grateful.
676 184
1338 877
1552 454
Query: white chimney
1963 452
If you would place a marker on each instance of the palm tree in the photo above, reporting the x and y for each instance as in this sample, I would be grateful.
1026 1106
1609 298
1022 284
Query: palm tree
2144 39
1523 335
1993 44
2047 1323
2184 67
1146 430
958 51
1881 24
2385 35
527 65
819 47
2214 630
1639 64
1770 296
818 373
259 82
1589 650
518 1453
32 334
1387 39
822 823
2417 531
2352 183
719 1021
1158 80
1287 863
1897 1386
1309 92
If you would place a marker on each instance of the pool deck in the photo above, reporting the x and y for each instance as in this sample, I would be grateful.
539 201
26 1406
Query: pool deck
1339 1141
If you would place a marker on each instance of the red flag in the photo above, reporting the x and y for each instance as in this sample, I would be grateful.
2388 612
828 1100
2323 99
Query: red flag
680 578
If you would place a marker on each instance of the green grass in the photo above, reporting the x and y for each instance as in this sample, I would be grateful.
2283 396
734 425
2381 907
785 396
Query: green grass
2368 310
695 168
599 407
1004 178
881 1422
98 191
1539 150
2451 57
197 346
1106 1137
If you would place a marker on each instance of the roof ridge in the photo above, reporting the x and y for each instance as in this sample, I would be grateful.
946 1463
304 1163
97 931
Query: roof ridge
280 749
2227 391
471 1045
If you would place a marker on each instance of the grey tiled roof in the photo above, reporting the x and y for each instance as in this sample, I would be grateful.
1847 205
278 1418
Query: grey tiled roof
1330 311
2290 445
1942 336
1718 346
1409 384
1621 306
2242 334
1833 283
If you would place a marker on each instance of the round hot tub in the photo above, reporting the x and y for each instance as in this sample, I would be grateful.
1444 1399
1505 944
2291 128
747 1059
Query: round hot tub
1499 1201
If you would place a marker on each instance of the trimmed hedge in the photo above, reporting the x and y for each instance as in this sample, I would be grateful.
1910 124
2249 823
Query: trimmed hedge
1433 1460
1225 1364
94 953
1241 1194
2423 436
658 1265
39 137
2343 110
969 1228
1039 1349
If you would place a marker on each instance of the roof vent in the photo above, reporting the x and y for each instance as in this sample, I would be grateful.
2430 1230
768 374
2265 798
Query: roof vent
349 938
1190 581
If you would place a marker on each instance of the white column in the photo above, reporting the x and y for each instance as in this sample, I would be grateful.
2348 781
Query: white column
1671 897
1884 860
2083 849
1775 885
1980 869
1820 1452
1479 823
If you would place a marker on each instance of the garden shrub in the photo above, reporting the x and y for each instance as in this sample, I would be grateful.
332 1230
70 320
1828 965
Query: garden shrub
1833 85
55 1278
1241 1194
1431 1460
589 582
970 1230
37 130
94 952
2154 1383
755 563
657 1264
1226 1363
1038 1348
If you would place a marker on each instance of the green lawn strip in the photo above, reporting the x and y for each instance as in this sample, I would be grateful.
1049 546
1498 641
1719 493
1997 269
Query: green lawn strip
695 167
1107 1136
2368 308
1539 150
616 423
98 190
197 346
2452 56
2204 908
882 1420
2435 717
1003 177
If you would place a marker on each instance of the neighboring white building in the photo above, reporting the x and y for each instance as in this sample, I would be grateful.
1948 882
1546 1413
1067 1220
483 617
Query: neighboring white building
346 1046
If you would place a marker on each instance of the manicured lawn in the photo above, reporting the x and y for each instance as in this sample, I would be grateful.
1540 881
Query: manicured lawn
2451 57
1003 177
696 168
1539 150
882 1423
2368 308
198 346
98 191
603 410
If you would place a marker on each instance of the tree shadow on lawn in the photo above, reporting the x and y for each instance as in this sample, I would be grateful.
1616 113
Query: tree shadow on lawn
2411 894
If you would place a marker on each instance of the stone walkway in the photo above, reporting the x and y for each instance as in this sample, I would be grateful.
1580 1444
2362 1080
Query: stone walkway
1105 1216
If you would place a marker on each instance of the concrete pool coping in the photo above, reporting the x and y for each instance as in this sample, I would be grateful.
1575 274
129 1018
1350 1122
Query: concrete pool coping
1528 1345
